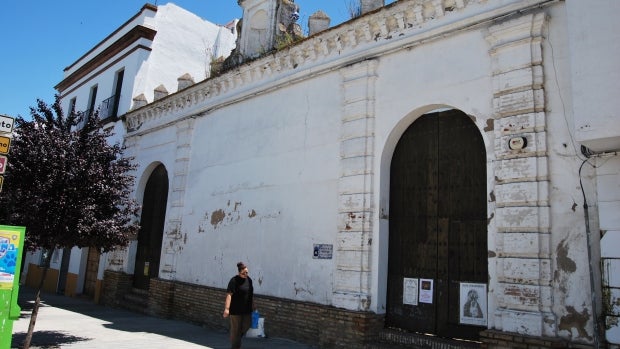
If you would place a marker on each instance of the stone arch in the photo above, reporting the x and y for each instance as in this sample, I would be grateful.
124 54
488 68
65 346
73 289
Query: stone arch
486 133
154 201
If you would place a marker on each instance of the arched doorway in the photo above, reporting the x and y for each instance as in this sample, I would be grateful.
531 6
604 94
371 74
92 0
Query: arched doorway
151 228
437 226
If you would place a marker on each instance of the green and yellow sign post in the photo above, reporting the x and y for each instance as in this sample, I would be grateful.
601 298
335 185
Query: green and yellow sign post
11 249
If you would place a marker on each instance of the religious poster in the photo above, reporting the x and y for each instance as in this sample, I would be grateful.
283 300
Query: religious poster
426 291
9 243
410 291
473 304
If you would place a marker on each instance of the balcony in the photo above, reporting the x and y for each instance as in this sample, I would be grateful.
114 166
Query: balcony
83 116
108 110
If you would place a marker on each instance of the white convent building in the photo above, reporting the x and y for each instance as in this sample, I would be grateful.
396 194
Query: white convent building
442 167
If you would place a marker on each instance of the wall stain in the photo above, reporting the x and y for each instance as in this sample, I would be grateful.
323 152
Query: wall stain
564 263
492 196
301 289
490 218
576 320
217 217
490 125
383 214
574 206
252 214
492 254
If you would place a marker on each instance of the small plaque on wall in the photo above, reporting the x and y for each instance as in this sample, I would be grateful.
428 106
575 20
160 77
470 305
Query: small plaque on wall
323 251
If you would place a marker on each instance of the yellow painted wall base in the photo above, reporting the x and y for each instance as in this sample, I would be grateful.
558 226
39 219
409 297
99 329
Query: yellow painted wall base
34 278
71 286
98 289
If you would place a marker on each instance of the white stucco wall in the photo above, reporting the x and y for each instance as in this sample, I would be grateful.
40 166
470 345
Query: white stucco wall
261 180
181 37
412 83
594 37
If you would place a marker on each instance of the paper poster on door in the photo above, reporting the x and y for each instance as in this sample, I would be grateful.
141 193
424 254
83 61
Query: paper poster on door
410 291
473 301
426 291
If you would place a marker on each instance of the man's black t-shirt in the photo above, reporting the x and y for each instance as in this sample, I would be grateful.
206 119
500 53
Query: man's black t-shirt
242 295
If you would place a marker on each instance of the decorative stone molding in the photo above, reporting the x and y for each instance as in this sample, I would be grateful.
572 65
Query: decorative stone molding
139 101
184 81
370 5
173 238
400 25
160 92
524 297
355 189
318 22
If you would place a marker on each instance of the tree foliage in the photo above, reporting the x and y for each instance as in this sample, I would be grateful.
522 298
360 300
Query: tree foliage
66 184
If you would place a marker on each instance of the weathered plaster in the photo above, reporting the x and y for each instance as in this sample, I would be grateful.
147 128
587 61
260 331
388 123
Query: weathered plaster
577 321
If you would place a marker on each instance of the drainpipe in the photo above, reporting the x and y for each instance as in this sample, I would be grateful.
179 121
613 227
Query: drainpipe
586 214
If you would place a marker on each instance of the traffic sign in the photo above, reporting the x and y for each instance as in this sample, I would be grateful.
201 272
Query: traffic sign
5 143
6 123
3 161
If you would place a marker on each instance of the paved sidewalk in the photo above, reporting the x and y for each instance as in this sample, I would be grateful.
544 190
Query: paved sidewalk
66 322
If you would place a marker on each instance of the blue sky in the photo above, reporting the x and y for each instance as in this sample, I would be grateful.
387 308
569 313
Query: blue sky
39 39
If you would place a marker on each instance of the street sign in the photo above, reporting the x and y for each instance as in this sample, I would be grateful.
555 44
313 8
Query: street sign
3 161
5 142
6 123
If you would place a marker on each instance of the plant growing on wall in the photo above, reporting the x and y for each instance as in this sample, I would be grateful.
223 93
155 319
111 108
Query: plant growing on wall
67 185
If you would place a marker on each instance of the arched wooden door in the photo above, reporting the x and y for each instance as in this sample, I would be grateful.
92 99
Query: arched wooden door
151 228
438 225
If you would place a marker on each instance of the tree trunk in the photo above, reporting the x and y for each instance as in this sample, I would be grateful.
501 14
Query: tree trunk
37 301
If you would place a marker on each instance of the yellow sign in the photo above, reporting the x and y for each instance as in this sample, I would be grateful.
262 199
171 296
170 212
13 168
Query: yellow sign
5 142
9 253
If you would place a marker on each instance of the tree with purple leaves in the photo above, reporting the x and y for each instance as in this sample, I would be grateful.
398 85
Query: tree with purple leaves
67 185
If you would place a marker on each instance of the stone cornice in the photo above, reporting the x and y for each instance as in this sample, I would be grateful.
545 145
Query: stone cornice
401 25
135 34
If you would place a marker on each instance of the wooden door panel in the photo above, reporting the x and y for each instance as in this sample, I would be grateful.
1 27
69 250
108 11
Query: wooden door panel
151 232
437 220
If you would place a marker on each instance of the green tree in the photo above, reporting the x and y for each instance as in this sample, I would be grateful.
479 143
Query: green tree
68 186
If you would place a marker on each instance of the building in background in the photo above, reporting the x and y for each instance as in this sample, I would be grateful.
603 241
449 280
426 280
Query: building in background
160 49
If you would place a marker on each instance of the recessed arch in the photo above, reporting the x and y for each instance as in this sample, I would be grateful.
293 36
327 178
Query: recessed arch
426 118
152 222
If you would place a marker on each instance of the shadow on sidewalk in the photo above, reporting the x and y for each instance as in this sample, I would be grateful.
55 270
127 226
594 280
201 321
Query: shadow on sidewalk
111 318
46 339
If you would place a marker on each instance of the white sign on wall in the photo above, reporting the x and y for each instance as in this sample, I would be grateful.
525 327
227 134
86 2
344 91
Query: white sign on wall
426 291
323 251
410 291
473 301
